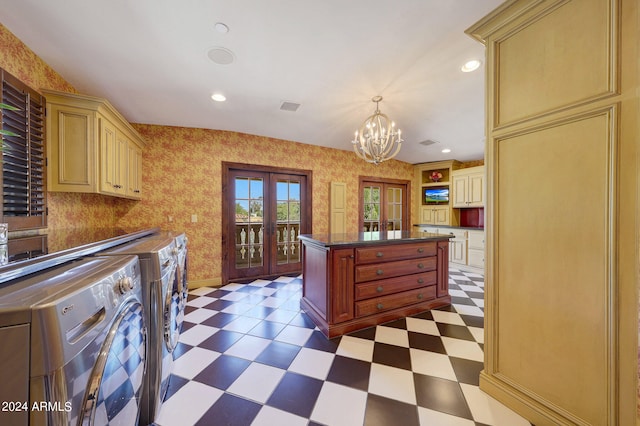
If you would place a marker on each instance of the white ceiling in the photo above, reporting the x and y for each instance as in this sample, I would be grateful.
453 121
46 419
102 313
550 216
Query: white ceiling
149 59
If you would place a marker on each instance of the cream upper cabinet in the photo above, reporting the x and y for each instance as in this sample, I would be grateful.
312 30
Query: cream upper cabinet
91 147
468 187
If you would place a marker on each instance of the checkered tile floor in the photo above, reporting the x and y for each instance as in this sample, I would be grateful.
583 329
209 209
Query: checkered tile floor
249 356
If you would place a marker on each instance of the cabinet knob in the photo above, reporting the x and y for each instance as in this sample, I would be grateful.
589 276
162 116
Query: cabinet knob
420 296
379 272
351 257
420 250
420 266
379 289
379 254
379 306
420 281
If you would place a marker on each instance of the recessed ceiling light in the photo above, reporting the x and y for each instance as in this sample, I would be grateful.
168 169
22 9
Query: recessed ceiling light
446 150
471 65
218 97
221 28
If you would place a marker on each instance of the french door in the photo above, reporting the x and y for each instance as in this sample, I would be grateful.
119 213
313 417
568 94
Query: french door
383 205
265 211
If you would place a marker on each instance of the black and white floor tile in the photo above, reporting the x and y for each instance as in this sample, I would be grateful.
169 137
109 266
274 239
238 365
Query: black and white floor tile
249 356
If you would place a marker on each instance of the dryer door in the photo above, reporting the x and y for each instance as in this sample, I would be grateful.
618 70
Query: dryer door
172 309
115 386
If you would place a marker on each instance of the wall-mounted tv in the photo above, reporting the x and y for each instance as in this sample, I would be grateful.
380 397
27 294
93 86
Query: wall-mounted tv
436 195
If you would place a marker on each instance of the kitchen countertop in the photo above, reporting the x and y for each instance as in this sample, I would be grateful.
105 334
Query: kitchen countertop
368 238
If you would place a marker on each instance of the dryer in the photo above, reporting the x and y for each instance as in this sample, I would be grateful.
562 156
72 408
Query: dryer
182 262
161 298
74 346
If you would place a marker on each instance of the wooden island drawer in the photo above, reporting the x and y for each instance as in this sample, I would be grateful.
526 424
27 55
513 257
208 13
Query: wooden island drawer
393 301
395 269
397 252
394 285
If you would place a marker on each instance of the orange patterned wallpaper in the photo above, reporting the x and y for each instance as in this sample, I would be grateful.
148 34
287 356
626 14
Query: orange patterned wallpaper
182 176
66 210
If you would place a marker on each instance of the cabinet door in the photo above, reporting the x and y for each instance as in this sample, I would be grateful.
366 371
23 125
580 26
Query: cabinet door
71 166
342 285
475 190
427 215
441 215
110 157
134 178
460 188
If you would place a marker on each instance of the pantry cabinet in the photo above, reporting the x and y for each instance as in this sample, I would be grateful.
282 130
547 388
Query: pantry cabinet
91 147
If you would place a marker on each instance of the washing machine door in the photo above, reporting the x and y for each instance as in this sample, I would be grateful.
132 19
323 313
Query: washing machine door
172 310
115 387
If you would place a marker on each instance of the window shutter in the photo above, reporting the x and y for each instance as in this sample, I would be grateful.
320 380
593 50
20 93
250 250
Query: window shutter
23 156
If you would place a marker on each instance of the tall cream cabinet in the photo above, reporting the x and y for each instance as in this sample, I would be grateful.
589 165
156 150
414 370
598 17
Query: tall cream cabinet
91 147
562 258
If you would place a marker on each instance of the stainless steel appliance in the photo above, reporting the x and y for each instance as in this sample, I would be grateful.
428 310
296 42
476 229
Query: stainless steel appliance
74 346
182 261
161 297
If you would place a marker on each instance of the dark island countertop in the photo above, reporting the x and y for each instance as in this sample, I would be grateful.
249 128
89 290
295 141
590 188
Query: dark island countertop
466 228
369 238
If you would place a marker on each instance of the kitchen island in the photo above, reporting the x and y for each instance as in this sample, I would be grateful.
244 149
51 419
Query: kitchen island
355 281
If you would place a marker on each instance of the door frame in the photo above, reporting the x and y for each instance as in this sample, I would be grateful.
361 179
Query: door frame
407 198
228 210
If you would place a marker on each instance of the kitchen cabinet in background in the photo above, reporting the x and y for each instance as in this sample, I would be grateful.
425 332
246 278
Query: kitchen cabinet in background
475 249
468 187
91 147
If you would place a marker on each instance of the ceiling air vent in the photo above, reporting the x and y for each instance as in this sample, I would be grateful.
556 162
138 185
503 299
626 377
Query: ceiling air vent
428 142
289 106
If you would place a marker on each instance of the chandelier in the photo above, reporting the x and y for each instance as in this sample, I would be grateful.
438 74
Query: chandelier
377 140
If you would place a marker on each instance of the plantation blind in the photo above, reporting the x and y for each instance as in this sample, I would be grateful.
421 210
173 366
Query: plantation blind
24 204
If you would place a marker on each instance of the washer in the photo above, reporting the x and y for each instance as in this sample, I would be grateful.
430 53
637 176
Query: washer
182 262
74 346
161 297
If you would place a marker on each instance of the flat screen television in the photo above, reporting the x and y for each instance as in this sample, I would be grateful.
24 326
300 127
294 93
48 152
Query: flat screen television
436 195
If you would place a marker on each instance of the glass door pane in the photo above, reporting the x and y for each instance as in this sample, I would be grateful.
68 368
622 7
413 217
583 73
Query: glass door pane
249 222
287 221
372 208
394 208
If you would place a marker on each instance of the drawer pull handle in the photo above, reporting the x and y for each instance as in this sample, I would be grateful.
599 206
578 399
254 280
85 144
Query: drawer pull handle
379 272
420 281
420 266
379 289
379 254
420 296
420 250
379 306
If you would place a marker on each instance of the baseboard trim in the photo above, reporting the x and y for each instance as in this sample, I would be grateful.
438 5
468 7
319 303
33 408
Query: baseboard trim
210 282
